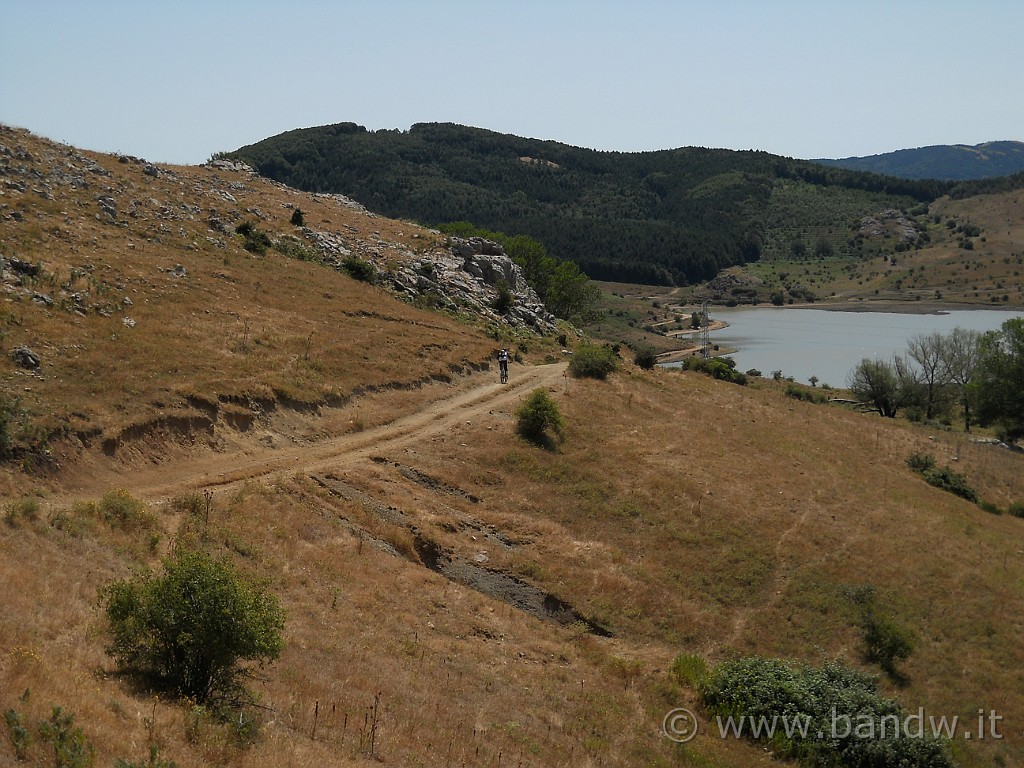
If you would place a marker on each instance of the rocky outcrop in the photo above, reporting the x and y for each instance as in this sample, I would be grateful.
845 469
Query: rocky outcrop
888 223
470 276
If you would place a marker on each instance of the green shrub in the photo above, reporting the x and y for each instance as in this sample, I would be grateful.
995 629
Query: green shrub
504 300
1016 509
593 362
8 412
721 368
153 761
298 220
807 395
359 269
294 248
645 356
26 508
989 507
255 240
70 747
920 462
539 420
189 629
885 643
834 700
948 480
120 509
691 670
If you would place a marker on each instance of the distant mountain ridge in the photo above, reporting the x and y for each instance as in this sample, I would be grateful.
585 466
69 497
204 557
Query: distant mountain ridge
945 162
672 217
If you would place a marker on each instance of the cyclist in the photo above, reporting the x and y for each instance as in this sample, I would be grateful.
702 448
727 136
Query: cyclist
503 365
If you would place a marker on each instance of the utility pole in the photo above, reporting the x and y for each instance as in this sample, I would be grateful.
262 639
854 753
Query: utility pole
705 331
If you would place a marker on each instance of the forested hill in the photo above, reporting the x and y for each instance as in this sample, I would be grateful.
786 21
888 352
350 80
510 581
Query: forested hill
667 217
956 162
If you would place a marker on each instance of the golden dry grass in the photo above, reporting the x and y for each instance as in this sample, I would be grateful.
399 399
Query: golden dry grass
684 514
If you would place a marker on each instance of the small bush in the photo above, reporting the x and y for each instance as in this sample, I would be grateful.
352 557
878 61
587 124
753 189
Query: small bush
948 480
294 248
1016 509
690 670
359 269
504 300
189 629
807 395
920 462
885 643
26 508
256 241
593 362
120 509
298 220
645 357
721 368
539 420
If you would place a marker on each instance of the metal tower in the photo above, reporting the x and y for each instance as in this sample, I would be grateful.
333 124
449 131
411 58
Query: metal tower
705 331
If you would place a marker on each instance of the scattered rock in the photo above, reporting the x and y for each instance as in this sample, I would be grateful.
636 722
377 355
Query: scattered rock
25 357
23 267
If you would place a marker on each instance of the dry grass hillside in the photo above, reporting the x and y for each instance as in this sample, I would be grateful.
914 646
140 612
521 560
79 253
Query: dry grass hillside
454 595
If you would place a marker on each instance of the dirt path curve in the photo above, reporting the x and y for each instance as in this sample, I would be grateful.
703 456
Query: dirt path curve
223 471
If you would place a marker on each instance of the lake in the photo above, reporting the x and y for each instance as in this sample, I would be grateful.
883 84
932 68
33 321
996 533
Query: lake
828 344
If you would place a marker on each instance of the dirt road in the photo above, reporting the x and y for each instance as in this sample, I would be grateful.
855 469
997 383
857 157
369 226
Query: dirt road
478 394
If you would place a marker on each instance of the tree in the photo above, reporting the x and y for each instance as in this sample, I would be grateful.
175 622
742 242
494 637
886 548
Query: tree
298 219
927 350
190 628
539 420
999 378
645 356
960 350
886 386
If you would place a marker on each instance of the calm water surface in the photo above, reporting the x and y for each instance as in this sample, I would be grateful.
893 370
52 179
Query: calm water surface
828 344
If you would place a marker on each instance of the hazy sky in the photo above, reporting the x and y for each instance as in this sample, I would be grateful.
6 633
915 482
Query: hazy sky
178 81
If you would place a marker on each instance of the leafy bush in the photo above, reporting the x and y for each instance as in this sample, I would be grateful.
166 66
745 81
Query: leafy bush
948 480
122 510
920 462
359 269
294 248
721 368
807 395
256 241
1016 509
593 362
504 300
298 220
539 420
26 508
691 670
645 356
885 643
188 629
841 704
942 477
